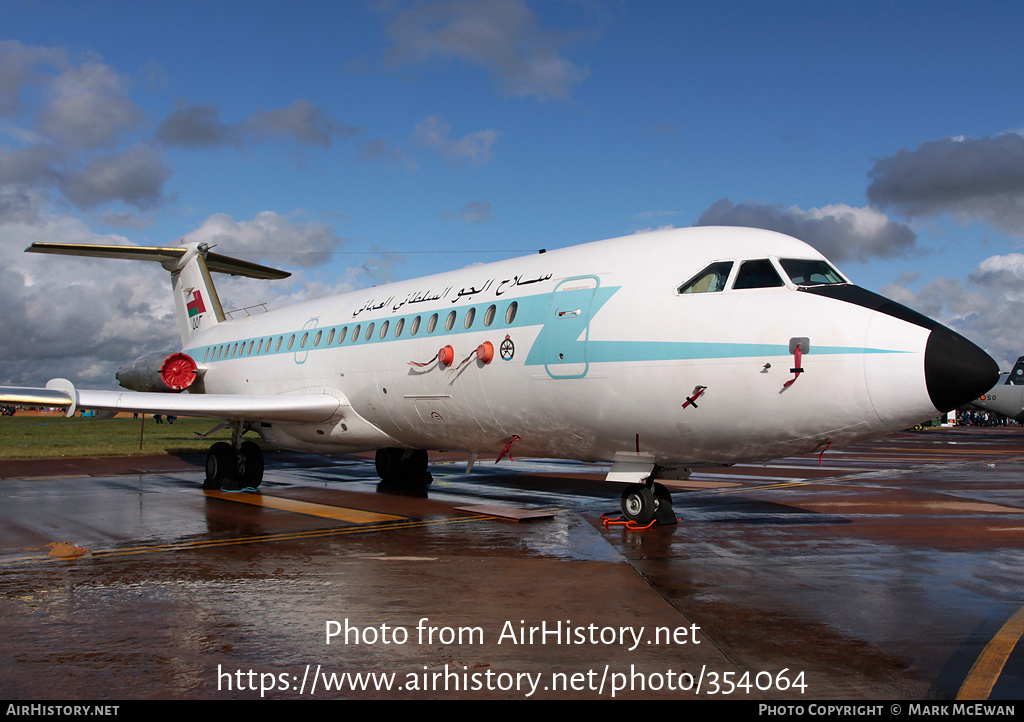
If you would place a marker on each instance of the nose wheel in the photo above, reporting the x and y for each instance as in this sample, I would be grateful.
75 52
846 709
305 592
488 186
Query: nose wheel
644 503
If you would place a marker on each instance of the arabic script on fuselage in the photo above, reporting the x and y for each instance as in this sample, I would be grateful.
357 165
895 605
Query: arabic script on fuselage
468 293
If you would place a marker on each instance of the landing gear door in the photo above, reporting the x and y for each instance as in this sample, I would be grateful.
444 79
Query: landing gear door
568 328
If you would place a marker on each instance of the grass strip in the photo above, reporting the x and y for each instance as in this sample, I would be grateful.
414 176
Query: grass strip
26 436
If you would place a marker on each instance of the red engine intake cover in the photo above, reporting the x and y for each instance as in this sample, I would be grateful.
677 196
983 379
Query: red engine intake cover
178 371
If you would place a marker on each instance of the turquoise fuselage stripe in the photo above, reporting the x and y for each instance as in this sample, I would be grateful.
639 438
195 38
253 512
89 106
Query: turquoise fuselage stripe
532 311
606 351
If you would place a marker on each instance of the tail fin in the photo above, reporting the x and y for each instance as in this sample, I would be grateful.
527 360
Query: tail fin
1016 376
195 298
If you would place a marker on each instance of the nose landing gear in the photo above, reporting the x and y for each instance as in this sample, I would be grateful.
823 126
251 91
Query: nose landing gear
648 502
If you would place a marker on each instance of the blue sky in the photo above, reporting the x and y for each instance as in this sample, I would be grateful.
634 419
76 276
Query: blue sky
359 142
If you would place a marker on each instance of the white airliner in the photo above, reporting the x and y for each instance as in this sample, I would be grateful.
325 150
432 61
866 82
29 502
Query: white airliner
1007 398
655 352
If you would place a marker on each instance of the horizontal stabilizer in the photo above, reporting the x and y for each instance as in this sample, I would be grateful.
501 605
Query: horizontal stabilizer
161 254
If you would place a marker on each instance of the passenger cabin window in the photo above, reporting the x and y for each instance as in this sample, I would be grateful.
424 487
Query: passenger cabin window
711 280
804 272
757 274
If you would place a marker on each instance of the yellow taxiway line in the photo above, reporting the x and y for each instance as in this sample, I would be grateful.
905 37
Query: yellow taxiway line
989 665
338 513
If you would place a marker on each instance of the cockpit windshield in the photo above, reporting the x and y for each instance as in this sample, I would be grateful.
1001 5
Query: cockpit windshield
757 274
711 280
761 273
804 272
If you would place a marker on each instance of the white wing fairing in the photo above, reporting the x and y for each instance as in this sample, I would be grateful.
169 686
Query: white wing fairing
657 351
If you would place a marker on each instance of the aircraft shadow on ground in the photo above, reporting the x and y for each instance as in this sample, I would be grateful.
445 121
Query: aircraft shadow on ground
738 510
510 488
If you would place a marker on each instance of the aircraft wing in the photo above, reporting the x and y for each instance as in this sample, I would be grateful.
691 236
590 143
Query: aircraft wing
311 407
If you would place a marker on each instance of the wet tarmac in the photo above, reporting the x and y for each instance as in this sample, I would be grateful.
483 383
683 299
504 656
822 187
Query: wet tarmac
887 570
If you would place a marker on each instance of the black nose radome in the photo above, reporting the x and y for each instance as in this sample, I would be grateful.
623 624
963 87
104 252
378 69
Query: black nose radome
955 370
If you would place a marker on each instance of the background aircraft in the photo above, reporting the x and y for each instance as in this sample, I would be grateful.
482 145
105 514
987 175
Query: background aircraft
654 352
1007 398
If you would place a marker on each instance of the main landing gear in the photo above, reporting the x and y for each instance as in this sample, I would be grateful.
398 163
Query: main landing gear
403 469
238 465
647 502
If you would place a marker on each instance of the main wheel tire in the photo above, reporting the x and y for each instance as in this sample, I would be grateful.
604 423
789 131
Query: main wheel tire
387 463
417 467
639 504
250 465
221 465
402 467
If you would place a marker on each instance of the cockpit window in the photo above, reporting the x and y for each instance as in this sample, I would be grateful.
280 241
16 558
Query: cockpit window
810 273
757 274
711 280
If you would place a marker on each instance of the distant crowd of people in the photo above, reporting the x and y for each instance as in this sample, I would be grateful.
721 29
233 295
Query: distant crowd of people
979 417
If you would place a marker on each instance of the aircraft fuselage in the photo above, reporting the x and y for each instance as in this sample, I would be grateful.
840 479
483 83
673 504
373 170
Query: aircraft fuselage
597 355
